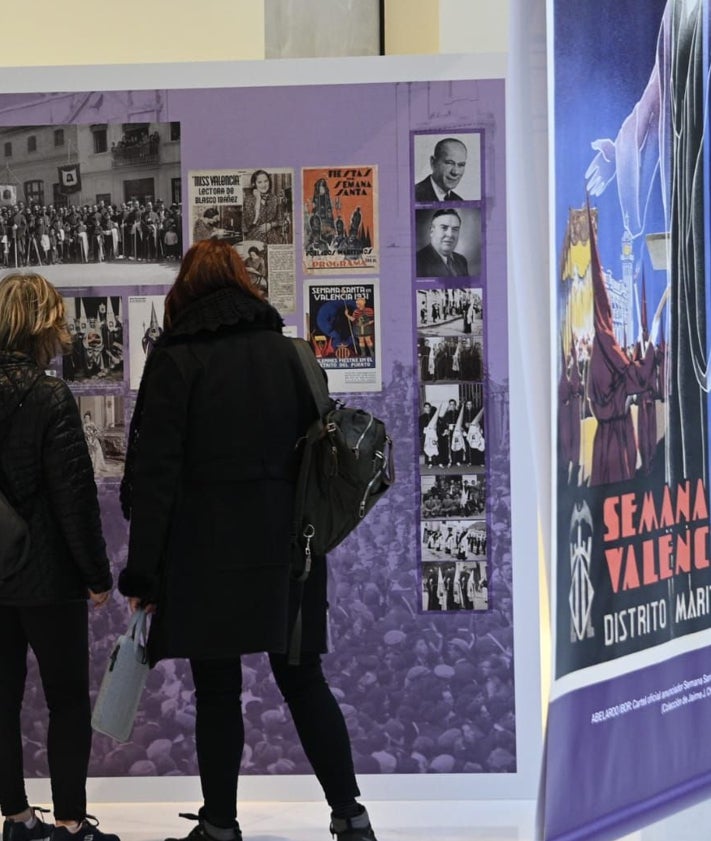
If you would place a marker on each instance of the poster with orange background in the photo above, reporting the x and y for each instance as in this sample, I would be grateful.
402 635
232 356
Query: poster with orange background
340 219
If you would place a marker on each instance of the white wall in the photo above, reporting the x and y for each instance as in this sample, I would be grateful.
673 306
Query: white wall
474 26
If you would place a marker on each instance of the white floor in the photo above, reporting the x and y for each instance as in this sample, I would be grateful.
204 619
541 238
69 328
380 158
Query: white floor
393 821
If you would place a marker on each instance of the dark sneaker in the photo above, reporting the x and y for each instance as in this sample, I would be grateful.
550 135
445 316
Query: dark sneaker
17 831
201 833
353 829
88 831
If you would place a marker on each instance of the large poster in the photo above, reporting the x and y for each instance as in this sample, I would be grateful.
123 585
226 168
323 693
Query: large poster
632 568
427 683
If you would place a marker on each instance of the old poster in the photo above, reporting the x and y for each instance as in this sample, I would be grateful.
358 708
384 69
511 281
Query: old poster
340 220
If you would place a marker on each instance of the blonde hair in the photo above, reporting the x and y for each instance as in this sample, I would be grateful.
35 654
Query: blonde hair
32 317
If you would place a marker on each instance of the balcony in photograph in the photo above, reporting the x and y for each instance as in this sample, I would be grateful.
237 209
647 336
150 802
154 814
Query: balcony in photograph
144 152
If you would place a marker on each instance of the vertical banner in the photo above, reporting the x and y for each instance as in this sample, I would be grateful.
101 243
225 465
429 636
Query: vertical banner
629 718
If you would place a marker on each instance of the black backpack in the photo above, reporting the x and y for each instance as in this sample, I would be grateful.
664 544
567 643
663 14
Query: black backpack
345 466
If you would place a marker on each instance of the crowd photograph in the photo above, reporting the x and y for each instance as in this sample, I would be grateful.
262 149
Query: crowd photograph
134 230
87 195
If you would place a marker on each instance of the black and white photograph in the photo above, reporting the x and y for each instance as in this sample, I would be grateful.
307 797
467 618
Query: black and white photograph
455 540
255 256
453 495
450 358
455 586
448 242
447 167
452 428
145 327
104 429
450 312
100 201
268 210
218 222
95 325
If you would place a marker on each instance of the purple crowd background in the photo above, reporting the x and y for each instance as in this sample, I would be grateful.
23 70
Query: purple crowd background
421 693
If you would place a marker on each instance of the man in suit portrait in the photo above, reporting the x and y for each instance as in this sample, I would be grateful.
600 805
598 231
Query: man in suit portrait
448 162
439 259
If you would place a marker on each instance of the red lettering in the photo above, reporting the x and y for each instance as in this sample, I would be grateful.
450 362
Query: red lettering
648 518
631 579
701 511
667 512
665 556
683 553
682 502
701 555
649 573
610 518
614 565
629 508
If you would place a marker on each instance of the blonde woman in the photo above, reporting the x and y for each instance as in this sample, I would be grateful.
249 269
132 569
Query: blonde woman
46 473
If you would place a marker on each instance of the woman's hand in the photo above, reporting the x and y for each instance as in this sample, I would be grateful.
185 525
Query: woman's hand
135 604
99 599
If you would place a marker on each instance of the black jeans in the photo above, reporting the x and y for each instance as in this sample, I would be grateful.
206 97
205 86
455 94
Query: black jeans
59 636
219 730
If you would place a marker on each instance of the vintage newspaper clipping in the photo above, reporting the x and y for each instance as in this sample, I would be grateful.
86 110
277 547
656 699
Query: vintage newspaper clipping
253 209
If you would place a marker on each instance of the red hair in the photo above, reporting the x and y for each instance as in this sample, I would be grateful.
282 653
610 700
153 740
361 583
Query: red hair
207 266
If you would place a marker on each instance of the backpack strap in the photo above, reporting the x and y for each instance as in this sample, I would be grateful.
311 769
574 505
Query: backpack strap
7 424
315 376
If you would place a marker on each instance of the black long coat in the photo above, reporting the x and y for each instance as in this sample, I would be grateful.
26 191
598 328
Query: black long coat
47 474
222 406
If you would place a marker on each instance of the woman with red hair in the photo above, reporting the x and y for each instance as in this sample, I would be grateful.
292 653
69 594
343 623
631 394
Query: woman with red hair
209 489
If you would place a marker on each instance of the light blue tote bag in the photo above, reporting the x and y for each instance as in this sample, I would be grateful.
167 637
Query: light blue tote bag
123 682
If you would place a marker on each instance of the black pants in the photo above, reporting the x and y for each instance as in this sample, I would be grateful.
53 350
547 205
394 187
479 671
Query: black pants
59 636
219 730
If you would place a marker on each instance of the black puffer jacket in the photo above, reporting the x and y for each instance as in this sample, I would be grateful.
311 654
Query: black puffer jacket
47 474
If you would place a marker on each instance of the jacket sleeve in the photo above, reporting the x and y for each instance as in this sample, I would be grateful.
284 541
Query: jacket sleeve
69 481
157 473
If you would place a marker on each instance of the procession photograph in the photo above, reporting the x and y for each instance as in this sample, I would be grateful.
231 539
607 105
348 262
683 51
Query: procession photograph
95 325
451 312
87 201
452 428
461 540
455 586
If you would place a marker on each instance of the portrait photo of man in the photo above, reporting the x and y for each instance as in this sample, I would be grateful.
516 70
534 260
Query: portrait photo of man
447 168
449 243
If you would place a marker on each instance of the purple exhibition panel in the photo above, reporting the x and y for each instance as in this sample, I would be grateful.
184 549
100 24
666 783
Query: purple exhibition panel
426 684
628 721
